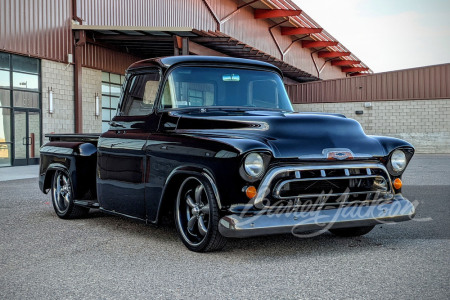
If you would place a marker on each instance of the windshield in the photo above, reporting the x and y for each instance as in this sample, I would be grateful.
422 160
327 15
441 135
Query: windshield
203 87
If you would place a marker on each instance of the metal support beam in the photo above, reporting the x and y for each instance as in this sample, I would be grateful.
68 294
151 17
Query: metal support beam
238 9
185 46
299 30
80 41
275 13
354 69
180 45
345 62
125 37
74 12
176 45
318 44
333 54
219 22
275 40
213 14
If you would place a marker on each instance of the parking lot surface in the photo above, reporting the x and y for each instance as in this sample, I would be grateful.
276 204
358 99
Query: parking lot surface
107 257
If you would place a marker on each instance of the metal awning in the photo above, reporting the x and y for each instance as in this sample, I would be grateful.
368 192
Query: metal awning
144 42
233 47
304 29
147 42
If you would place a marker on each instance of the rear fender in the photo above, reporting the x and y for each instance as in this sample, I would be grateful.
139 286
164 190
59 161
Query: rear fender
78 159
46 181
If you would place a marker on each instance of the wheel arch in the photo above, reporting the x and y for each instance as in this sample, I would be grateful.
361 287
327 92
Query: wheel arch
52 168
70 171
169 193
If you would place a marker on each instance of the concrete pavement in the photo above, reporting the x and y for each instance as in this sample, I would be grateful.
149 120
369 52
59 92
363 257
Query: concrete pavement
108 257
22 172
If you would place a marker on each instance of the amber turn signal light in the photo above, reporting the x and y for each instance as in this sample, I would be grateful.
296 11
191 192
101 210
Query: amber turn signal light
250 192
398 183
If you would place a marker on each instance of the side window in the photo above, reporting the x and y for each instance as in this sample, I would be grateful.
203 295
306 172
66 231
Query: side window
141 94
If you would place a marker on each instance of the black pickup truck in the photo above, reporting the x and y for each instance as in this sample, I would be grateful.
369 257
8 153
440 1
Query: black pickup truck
214 142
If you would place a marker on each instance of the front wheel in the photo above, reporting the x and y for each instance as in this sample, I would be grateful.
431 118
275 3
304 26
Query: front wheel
197 216
352 231
62 197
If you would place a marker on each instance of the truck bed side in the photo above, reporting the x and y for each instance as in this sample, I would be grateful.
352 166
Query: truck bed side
75 154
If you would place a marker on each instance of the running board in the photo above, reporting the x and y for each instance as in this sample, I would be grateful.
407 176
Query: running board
87 203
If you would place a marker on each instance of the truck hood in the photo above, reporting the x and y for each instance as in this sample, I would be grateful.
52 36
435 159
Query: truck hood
287 135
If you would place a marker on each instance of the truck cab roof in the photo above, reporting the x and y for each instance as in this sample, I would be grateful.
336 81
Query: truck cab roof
166 62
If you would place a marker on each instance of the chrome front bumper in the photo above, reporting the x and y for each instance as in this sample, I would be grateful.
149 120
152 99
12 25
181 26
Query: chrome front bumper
241 226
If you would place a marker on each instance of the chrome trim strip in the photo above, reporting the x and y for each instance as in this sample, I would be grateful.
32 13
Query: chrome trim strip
338 194
325 153
279 186
330 204
264 187
240 226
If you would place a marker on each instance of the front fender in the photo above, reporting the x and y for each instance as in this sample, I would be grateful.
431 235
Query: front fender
174 178
389 144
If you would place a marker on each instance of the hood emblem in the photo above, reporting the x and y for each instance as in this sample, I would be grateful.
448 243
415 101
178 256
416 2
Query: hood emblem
338 154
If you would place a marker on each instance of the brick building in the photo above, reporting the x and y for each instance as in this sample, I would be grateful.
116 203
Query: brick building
412 104
62 62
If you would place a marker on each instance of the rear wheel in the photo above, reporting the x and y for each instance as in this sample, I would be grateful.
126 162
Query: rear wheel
62 197
197 216
352 231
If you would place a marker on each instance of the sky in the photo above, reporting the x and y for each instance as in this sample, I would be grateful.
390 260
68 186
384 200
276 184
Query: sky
387 35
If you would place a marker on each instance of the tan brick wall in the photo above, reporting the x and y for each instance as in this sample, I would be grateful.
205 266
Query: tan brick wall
423 123
59 77
91 84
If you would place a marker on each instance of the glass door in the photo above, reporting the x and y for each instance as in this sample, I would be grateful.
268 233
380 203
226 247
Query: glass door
34 135
27 132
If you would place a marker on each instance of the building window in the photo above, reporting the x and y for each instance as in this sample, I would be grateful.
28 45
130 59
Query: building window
111 86
20 110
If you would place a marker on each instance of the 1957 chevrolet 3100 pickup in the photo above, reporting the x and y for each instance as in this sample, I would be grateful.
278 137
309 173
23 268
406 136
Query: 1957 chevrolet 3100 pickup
215 142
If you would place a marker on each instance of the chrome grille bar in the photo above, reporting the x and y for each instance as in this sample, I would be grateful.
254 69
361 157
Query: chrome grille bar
279 186
264 187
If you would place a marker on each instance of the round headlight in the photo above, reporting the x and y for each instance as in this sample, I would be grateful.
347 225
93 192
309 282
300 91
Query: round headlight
254 165
398 161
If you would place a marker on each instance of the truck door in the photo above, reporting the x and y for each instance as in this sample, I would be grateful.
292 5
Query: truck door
122 161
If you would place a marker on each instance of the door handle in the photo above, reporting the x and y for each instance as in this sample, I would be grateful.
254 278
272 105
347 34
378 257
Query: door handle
25 141
115 124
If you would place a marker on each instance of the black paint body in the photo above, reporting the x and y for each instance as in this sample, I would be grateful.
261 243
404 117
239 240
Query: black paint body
135 167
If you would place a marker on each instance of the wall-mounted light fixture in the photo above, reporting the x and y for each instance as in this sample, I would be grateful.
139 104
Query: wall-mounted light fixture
97 105
50 101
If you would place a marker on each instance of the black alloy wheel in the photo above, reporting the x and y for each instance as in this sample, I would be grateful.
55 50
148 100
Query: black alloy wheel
197 216
62 197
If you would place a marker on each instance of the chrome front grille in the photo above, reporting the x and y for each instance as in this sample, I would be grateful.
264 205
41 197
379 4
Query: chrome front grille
324 184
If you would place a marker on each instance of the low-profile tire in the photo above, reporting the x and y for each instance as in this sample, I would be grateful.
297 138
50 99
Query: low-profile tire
352 231
197 216
62 197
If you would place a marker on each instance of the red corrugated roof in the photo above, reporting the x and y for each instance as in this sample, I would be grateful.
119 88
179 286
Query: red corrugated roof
304 21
